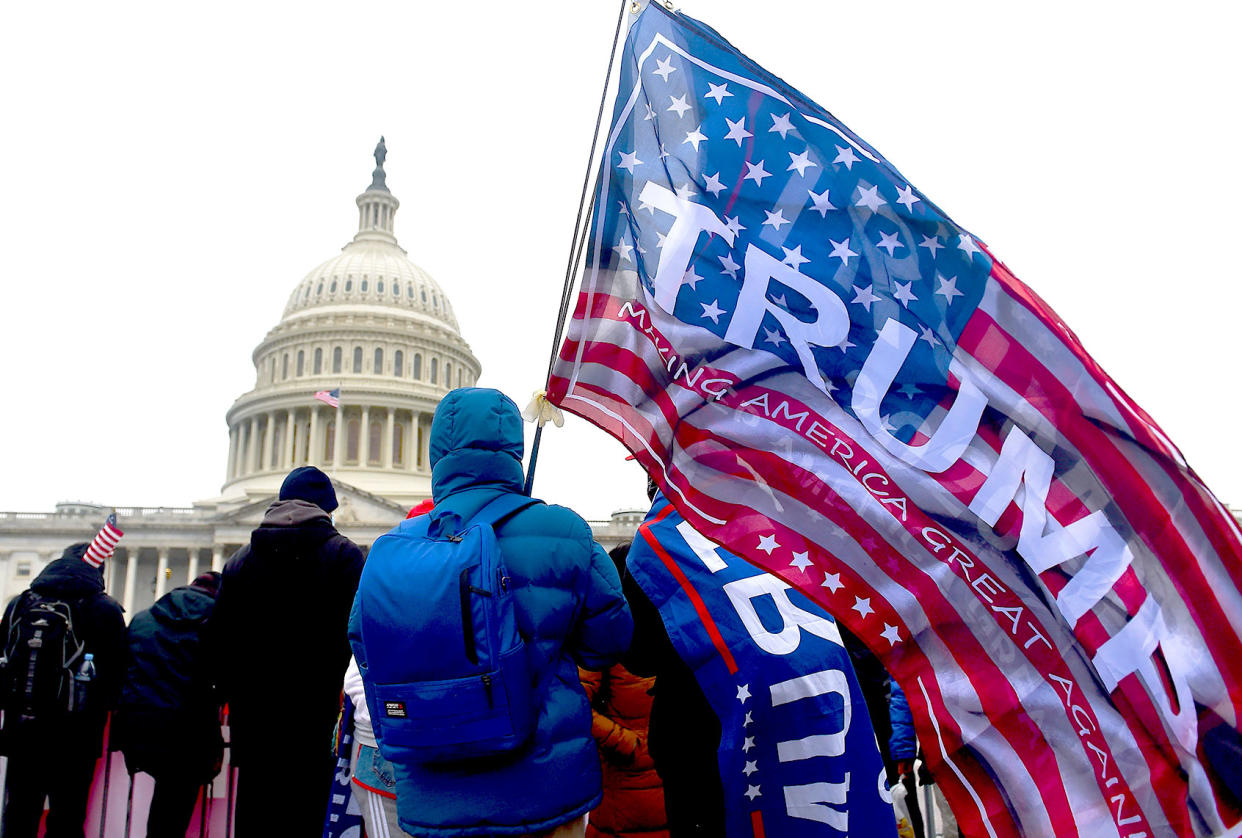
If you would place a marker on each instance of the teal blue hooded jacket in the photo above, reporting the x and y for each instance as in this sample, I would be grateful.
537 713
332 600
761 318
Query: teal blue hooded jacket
570 611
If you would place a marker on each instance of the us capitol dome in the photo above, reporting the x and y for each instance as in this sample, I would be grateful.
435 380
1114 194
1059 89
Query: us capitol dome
368 324
374 326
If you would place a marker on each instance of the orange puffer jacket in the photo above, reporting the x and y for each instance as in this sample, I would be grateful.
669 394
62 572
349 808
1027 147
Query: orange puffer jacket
633 802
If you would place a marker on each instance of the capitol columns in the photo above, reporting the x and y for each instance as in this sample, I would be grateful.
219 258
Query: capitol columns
337 436
252 445
131 577
191 568
269 439
364 441
289 435
217 557
161 571
388 438
231 470
312 438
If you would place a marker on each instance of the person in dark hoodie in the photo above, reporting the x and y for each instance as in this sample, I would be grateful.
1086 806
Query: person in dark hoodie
167 723
279 649
53 758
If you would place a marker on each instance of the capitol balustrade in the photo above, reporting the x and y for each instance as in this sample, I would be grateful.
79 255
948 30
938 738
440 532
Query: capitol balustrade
147 513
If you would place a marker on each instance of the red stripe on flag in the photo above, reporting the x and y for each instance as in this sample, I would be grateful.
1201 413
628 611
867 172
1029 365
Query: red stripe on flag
987 341
700 608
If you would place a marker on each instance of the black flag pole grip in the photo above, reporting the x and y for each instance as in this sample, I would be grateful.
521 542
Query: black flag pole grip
585 203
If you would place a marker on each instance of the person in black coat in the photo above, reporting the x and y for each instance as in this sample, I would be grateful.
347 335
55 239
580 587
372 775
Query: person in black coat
167 723
684 735
279 647
54 758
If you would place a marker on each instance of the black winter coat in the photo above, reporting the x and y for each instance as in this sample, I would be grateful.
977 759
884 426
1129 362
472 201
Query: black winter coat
278 634
99 623
168 721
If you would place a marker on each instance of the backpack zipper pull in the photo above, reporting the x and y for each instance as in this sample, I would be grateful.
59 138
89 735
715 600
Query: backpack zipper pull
487 685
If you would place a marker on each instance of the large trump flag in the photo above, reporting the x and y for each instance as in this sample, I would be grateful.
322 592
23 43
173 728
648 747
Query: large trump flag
830 377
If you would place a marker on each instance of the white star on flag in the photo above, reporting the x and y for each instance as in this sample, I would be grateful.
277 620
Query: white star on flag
870 198
801 560
733 224
664 68
752 792
891 634
679 104
748 743
801 162
775 220
820 202
767 543
832 581
863 606
967 245
889 242
929 336
846 155
907 197
781 125
730 267
651 114
756 172
717 92
864 296
737 130
623 250
750 768
842 251
684 192
712 310
695 137
712 183
629 161
776 339
692 279
743 693
904 293
948 288
794 258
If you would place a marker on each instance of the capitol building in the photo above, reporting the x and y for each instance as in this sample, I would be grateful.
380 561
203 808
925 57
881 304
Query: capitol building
367 322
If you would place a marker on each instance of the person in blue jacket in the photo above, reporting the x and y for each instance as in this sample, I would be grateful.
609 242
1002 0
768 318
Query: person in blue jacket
570 611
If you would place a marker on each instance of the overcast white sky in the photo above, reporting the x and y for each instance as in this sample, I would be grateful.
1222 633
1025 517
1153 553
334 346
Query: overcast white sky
168 173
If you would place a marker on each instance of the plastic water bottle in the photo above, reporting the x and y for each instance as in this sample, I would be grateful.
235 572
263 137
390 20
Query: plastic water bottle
82 681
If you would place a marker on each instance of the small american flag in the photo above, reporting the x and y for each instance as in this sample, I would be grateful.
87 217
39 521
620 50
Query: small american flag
104 543
330 397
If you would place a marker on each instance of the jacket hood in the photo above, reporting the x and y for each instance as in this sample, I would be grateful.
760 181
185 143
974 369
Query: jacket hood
293 525
69 577
476 442
293 513
186 604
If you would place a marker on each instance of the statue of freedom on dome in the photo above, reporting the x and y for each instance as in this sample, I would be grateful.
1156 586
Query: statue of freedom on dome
377 177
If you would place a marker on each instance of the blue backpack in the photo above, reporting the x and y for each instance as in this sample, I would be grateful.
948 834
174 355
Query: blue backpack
435 634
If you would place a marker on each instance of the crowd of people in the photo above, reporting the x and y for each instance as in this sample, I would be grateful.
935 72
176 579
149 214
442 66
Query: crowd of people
619 739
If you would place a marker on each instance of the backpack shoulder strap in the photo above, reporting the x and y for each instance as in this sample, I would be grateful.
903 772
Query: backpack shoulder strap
510 503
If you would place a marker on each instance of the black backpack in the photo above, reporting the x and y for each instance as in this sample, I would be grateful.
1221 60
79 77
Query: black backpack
40 656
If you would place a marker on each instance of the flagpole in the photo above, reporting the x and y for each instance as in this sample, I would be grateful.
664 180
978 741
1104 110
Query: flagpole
585 201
